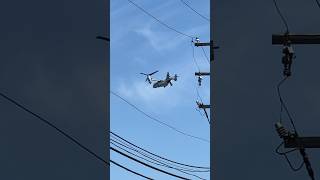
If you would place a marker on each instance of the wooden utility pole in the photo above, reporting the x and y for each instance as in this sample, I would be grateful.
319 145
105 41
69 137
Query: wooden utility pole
213 167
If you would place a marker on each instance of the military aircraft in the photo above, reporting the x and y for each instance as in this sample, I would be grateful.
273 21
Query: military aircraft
149 78
164 83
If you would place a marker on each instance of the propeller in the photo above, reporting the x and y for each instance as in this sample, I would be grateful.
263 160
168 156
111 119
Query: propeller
149 74
153 73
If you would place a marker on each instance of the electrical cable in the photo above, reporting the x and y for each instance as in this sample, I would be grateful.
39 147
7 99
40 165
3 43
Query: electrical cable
286 152
54 127
286 157
187 165
194 59
302 150
206 114
158 20
283 104
147 165
155 163
134 172
157 120
197 109
198 94
205 54
153 159
291 166
186 4
281 16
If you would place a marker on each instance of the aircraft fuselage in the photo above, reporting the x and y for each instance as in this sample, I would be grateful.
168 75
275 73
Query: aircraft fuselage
161 83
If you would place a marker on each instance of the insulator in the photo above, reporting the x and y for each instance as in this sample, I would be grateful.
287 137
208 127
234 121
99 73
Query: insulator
282 132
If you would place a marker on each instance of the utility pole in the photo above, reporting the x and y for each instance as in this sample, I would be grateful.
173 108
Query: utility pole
293 140
213 167
197 43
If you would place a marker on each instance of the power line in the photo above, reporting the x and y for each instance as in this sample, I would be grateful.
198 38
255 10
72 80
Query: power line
146 157
205 54
127 169
157 120
283 105
286 157
206 115
281 16
152 161
54 127
187 165
158 20
147 165
194 59
186 4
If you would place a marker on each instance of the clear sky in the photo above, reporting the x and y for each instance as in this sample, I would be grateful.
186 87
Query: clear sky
140 44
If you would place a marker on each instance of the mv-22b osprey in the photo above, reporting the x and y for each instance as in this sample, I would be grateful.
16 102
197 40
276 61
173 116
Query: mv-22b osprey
160 83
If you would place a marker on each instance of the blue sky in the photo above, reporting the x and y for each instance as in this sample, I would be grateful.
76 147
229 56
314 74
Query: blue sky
140 44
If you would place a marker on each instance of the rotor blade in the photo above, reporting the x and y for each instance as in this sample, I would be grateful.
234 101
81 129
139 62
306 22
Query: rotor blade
144 74
170 83
153 72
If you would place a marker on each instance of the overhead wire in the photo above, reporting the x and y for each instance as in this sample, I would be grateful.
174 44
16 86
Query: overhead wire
155 162
187 5
157 120
205 55
161 157
158 20
287 158
151 158
281 16
148 165
197 109
154 159
77 142
283 104
62 132
198 94
131 171
291 166
193 56
206 115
